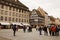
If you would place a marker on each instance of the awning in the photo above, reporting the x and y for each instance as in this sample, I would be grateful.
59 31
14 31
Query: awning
5 23
17 24
26 24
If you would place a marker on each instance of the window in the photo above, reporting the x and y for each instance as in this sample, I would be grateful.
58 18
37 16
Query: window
2 11
6 7
27 20
22 15
13 19
9 8
19 15
2 1
25 16
1 18
10 4
13 14
24 20
19 10
9 13
6 12
5 18
16 9
16 14
9 18
22 11
2 6
19 20
16 19
13 9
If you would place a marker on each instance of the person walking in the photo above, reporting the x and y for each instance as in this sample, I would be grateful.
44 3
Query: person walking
37 28
45 30
50 30
53 28
57 31
30 29
40 30
24 29
14 29
0 25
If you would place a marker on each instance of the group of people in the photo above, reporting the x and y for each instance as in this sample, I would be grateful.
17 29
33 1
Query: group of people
15 28
42 28
29 29
53 30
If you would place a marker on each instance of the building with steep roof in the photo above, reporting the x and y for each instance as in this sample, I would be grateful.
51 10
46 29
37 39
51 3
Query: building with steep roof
36 19
13 12
45 14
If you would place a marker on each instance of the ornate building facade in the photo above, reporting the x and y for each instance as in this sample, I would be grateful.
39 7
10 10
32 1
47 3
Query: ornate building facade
36 19
46 17
13 12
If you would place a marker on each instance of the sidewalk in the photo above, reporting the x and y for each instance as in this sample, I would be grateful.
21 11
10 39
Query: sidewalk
20 35
1 38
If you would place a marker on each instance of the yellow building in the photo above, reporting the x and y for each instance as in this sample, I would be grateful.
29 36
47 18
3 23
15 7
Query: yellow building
13 12
57 21
52 20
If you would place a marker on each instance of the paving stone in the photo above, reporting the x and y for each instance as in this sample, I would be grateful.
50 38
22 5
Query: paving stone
20 35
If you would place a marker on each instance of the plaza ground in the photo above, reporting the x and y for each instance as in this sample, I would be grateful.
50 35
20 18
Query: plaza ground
7 34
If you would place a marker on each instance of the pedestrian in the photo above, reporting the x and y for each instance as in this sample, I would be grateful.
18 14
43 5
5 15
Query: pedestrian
30 29
37 28
45 30
57 31
24 29
50 30
53 28
14 29
0 25
40 30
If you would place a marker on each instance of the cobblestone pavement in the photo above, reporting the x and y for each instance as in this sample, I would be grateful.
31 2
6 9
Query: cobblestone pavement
20 35
2 38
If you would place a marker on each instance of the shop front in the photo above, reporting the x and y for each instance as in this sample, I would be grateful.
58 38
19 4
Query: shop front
19 25
5 25
26 24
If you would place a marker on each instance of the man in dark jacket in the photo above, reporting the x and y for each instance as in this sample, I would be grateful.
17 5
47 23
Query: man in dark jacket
14 29
45 30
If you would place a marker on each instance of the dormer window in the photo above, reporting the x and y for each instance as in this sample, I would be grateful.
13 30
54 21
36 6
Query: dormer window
16 0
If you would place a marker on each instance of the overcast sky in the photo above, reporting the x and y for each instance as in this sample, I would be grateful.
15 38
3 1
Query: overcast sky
52 7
